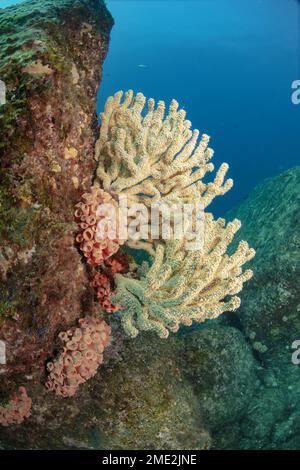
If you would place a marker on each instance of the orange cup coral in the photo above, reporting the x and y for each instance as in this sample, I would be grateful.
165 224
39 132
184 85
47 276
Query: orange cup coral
82 354
17 409
97 208
102 285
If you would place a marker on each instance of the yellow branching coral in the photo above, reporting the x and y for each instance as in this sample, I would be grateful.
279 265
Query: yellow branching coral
149 157
153 157
185 286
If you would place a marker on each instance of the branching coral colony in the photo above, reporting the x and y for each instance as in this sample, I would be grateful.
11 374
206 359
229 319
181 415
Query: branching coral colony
152 158
149 158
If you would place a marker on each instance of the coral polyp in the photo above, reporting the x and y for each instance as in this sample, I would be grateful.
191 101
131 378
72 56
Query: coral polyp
81 356
102 284
96 207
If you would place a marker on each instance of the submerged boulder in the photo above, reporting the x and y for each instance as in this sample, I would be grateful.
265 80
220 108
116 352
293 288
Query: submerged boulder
219 364
146 401
270 310
269 316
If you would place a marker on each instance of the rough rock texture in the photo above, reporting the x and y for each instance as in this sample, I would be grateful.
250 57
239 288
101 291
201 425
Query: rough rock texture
51 53
270 313
147 406
270 308
221 368
132 403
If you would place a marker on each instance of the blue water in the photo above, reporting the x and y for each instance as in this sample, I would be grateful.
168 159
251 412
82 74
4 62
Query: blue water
7 3
230 64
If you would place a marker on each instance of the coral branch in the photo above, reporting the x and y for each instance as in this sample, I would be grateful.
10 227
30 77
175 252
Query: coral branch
184 286
152 157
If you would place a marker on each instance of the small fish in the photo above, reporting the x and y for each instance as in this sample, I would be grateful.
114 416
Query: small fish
142 66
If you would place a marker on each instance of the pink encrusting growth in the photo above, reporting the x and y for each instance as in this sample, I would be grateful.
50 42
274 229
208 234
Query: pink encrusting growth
103 281
117 263
97 208
17 409
81 356
102 284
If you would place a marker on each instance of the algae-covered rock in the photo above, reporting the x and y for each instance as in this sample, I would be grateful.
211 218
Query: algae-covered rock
139 400
51 55
270 315
219 364
146 401
270 310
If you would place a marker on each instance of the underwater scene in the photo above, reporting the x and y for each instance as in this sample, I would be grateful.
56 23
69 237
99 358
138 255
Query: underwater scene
149 227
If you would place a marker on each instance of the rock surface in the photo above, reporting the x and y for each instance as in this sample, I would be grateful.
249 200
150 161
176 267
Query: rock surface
51 55
271 223
270 312
221 368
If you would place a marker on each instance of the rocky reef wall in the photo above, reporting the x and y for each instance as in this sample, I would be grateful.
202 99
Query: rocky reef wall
51 56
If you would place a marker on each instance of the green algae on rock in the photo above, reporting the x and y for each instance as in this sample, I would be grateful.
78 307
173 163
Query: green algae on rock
146 407
38 39
270 302
222 370
269 314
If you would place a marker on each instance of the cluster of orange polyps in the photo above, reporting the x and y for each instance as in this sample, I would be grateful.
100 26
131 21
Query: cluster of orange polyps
81 356
96 206
102 284
17 409
83 346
